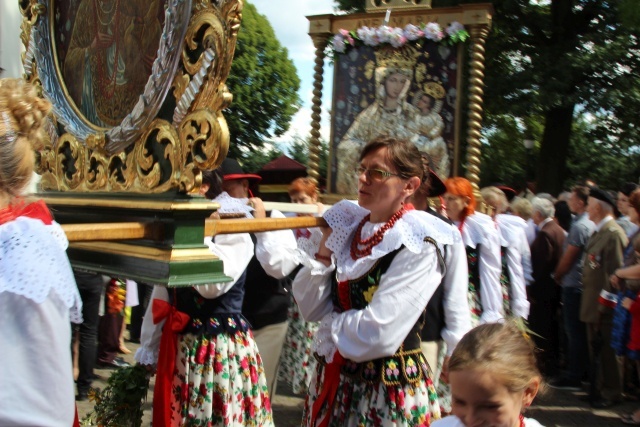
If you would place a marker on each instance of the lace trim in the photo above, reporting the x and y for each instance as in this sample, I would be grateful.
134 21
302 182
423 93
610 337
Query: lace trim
323 343
477 230
509 227
145 356
34 263
230 204
410 231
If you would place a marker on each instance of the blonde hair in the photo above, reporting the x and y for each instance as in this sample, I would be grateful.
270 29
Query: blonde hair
22 118
494 195
500 348
522 207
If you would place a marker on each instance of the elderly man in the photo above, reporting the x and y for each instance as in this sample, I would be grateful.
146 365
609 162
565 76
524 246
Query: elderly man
603 255
544 297
569 275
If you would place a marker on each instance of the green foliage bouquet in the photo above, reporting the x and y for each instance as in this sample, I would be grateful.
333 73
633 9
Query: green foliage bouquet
120 403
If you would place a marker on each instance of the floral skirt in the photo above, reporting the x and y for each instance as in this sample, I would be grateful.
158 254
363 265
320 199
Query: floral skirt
474 304
219 381
362 404
297 364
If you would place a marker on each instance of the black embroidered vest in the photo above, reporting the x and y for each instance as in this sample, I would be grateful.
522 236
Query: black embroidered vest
212 316
505 282
408 365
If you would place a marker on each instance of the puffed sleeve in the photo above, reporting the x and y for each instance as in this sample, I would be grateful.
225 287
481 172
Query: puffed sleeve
235 251
403 293
150 334
490 268
457 314
312 289
275 250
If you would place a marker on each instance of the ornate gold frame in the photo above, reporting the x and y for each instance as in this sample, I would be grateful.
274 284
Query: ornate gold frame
146 153
477 17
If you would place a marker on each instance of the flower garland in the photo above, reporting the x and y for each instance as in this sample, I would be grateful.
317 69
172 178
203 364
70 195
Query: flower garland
116 294
398 37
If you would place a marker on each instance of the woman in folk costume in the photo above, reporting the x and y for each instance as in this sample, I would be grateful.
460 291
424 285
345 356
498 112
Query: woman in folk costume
482 241
38 294
211 374
297 364
515 254
368 283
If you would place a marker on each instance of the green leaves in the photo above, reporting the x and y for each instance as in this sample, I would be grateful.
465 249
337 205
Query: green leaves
264 84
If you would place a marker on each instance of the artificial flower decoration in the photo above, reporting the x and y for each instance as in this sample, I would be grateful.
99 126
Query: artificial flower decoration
398 37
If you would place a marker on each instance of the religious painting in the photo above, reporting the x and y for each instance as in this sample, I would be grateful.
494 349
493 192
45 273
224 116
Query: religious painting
407 92
105 51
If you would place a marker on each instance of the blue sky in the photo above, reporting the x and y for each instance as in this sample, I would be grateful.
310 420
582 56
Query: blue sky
288 19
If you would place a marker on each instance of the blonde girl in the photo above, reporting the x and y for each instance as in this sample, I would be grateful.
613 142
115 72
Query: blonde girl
493 377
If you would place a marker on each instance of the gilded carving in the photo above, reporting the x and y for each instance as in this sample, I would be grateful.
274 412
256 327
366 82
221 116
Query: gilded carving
134 148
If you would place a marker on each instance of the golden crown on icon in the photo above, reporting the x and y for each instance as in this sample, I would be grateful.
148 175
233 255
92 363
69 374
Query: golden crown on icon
434 89
403 57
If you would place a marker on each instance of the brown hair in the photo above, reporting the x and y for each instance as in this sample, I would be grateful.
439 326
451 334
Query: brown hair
304 185
22 119
634 200
403 154
582 192
500 348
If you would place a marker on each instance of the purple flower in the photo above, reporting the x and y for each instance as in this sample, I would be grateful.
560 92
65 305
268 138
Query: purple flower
369 36
339 44
412 32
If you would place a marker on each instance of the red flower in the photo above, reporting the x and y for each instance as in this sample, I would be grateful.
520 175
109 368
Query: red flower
217 367
254 374
203 389
249 407
200 355
218 404
266 401
401 398
185 392
244 363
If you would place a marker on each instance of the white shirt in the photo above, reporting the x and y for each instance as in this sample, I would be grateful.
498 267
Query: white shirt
513 237
457 315
38 300
453 421
479 229
400 297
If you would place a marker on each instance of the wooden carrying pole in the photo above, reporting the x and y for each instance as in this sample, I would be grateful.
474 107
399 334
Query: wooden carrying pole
152 231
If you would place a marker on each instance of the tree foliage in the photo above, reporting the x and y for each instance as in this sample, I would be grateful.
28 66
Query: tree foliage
264 84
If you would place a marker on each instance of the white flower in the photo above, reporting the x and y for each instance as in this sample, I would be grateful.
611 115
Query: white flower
369 36
397 38
454 27
412 32
432 31
338 43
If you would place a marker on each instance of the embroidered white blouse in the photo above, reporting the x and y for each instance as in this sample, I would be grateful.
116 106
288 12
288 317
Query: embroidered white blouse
457 315
38 300
403 291
479 229
514 238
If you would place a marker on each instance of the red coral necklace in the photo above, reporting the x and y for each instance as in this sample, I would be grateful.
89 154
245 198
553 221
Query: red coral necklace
362 247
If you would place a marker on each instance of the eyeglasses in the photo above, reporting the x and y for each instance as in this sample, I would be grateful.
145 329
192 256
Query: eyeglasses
374 174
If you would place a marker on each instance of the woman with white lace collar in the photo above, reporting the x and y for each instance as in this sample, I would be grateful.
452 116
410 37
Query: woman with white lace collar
515 252
38 294
368 283
482 241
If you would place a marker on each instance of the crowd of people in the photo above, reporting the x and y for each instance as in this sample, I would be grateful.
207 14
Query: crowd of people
399 312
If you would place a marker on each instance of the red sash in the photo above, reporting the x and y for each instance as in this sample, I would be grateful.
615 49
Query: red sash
176 321
330 382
